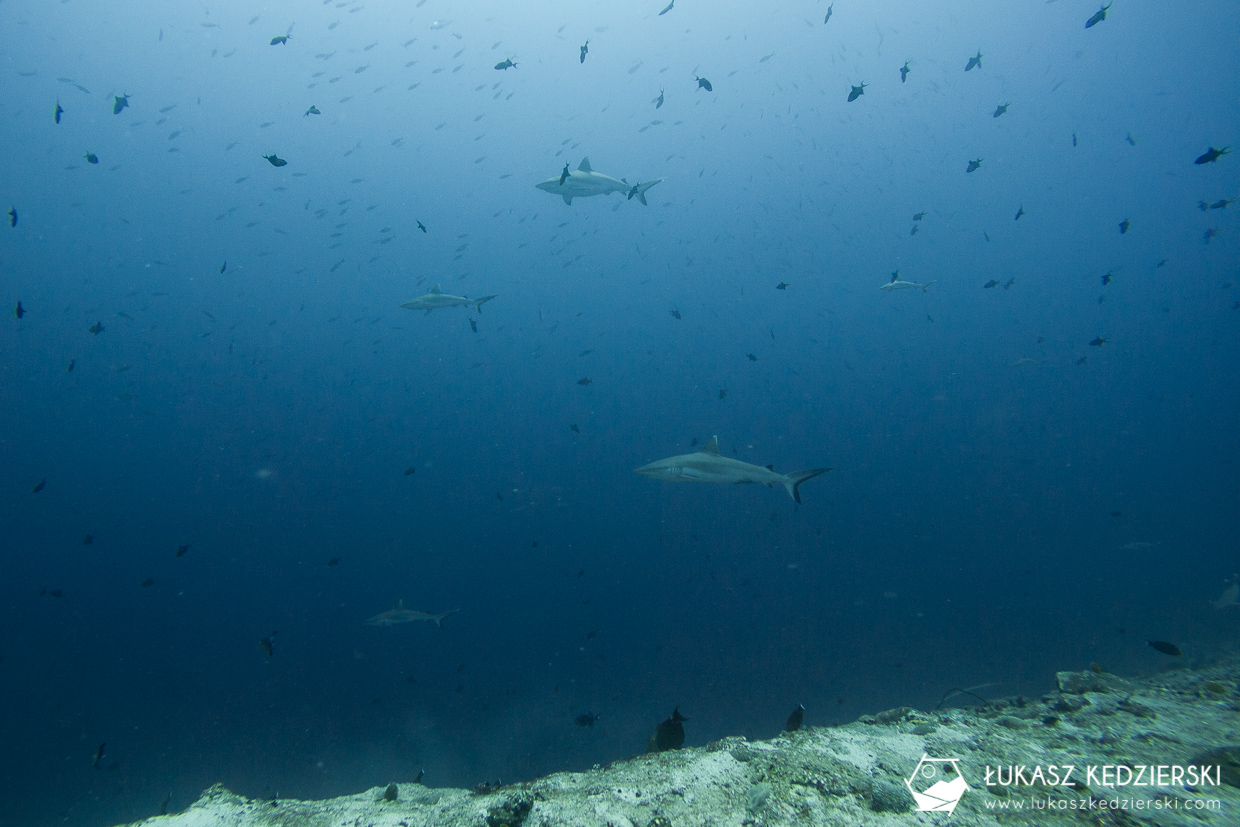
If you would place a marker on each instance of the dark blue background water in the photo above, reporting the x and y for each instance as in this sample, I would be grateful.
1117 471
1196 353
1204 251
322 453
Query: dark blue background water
985 482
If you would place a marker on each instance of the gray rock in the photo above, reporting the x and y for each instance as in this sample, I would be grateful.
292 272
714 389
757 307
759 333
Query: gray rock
886 797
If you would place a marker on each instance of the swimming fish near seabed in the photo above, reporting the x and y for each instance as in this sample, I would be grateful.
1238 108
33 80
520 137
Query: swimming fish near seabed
399 614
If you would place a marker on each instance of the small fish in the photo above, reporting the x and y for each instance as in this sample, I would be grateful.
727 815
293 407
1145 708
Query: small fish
574 428
91 158
913 229
1019 213
1123 226
583 381
335 561
1213 155
69 369
94 765
1000 109
795 719
670 734
88 540
1165 647
1161 263
675 314
564 174
119 102
1099 342
723 392
1107 278
182 550
96 328
990 284
703 83
1074 139
313 110
587 718
147 583
667 8
1098 17
1007 285
783 285
275 160
585 50
59 111
1222 203
12 214
1130 140
267 644
904 70
830 9
224 266
506 65
39 486
18 310
410 471
473 325
658 102
1082 360
421 226
857 91
973 165
751 357
918 216
280 40
975 61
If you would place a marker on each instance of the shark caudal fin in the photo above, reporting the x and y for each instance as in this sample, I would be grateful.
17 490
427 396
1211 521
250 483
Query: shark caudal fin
439 618
793 481
925 288
477 303
640 189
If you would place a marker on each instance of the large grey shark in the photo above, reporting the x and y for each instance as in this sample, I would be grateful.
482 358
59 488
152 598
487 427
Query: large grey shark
898 283
707 466
399 614
584 182
438 298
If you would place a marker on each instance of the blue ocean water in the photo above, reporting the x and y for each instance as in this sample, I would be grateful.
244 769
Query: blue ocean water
1007 498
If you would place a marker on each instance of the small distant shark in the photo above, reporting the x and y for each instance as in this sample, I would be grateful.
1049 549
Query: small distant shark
438 298
707 466
584 182
897 283
399 615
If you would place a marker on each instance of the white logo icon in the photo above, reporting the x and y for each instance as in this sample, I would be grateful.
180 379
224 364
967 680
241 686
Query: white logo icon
931 787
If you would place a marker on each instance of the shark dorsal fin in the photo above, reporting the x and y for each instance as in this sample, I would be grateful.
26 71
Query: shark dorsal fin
436 289
400 604
771 468
585 165
711 447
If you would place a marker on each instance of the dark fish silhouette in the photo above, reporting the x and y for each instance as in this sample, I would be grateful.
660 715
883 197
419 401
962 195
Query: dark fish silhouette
830 9
279 40
39 486
671 733
313 110
91 158
659 100
119 102
857 91
1082 360
335 561
1222 203
918 216
574 428
410 471
564 174
585 50
69 368
96 328
275 160
913 231
587 718
904 70
1098 17
87 540
1212 155
1130 140
667 8
675 314
1209 234
58 112
703 83
18 310
1099 342
182 550
1123 226
973 165
267 644
1074 139
1165 647
1000 109
990 284
976 60
94 765
585 380
147 583
1019 212
12 214
752 358
224 266
421 226
506 64
723 392
473 325
1106 279
783 285
795 719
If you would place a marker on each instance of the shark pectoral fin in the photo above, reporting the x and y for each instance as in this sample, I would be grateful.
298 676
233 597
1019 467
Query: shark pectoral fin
793 481
711 447
568 199
585 165
641 196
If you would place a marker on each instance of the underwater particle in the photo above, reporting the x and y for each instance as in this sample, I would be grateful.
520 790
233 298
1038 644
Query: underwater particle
1099 342
1082 360
163 807
147 583
58 112
313 110
96 328
975 61
1098 17
275 160
410 471
1123 226
18 310
391 793
667 8
585 719
1019 213
280 40
904 70
421 226
1165 647
583 381
39 486
585 50
783 285
703 83
12 214
990 284
1000 109
335 561
267 644
88 539
675 314
91 158
795 719
505 65
723 392
119 102
857 91
974 165
670 734
94 764
1211 155
182 550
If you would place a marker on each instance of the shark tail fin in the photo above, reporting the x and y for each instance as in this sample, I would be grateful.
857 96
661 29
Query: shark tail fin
925 288
477 303
641 189
793 481
439 618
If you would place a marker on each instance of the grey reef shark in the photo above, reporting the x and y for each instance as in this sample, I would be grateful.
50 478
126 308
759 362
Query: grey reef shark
707 466
898 283
399 614
584 182
438 298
